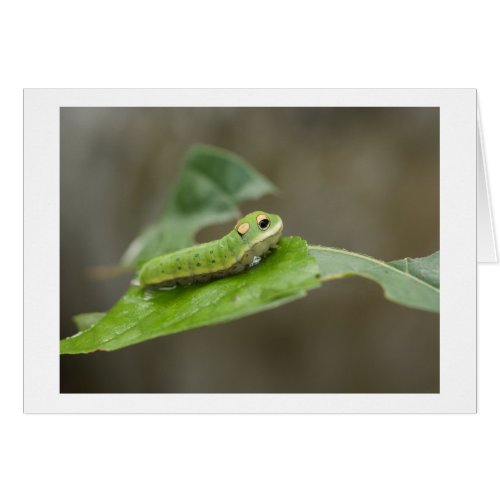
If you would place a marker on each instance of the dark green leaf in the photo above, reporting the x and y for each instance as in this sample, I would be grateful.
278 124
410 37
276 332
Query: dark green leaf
410 282
140 315
211 185
425 268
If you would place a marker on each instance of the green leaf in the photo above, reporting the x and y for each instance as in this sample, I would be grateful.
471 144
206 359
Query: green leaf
425 268
141 315
409 282
212 183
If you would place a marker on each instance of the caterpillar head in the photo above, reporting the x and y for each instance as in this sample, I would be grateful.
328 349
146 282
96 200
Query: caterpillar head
260 230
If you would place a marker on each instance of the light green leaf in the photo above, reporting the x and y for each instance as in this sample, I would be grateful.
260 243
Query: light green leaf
211 184
287 274
410 282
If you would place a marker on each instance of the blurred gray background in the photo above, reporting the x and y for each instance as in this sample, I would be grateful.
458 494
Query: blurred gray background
365 179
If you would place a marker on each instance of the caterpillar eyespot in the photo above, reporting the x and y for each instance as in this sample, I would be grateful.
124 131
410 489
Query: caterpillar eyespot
243 228
263 222
253 237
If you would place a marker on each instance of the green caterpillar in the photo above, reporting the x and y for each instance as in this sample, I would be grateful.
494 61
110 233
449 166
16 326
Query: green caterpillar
252 238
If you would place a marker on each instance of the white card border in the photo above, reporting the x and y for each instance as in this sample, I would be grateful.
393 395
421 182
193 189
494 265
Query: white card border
458 268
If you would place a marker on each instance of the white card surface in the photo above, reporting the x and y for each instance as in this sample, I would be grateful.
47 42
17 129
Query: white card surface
333 137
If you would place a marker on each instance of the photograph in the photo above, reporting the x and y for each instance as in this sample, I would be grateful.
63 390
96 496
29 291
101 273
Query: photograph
249 250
